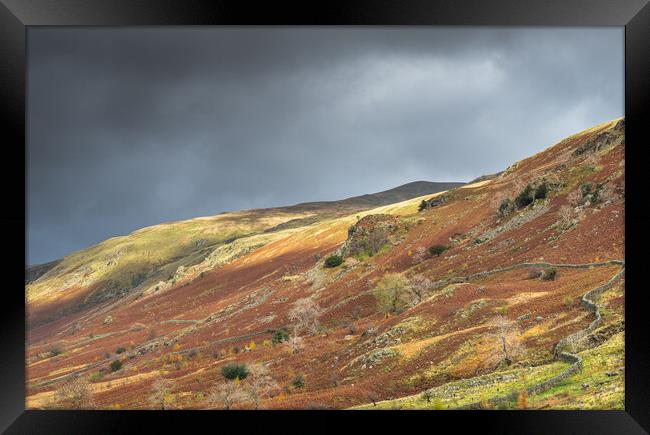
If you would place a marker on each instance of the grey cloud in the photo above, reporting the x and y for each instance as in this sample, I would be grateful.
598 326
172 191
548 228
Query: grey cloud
132 127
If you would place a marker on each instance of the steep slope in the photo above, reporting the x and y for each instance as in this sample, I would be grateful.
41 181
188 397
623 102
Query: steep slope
518 252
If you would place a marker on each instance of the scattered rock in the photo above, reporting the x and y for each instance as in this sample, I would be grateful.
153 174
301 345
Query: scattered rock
108 319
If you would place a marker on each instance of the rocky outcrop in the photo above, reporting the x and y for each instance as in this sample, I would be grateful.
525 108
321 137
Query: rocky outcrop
370 234
603 140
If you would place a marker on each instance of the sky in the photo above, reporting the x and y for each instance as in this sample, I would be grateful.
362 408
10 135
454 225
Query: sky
130 127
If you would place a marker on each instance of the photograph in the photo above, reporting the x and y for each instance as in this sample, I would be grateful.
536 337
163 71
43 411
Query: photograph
325 218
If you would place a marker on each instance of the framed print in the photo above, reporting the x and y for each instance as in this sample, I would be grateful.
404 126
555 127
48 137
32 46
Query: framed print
414 213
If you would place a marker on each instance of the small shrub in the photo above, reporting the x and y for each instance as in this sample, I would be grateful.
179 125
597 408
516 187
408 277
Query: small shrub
427 395
549 274
192 353
503 310
437 250
333 261
279 336
298 381
56 351
116 365
236 349
120 350
97 376
534 274
234 371
568 301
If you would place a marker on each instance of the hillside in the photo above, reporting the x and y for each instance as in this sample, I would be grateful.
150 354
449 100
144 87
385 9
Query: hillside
518 304
156 255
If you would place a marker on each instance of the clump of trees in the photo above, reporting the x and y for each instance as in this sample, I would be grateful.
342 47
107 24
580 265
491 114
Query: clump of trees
436 201
234 371
333 261
527 196
392 293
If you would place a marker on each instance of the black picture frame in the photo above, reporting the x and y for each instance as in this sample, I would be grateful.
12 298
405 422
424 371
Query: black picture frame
17 15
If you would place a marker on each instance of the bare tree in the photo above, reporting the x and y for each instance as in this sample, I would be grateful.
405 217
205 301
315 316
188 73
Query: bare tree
161 393
373 397
511 345
259 383
575 198
304 316
566 217
76 394
294 343
420 285
226 395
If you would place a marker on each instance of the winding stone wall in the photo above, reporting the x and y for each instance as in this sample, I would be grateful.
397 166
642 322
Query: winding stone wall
570 358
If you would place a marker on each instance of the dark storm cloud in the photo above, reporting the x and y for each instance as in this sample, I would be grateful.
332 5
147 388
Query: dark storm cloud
132 127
